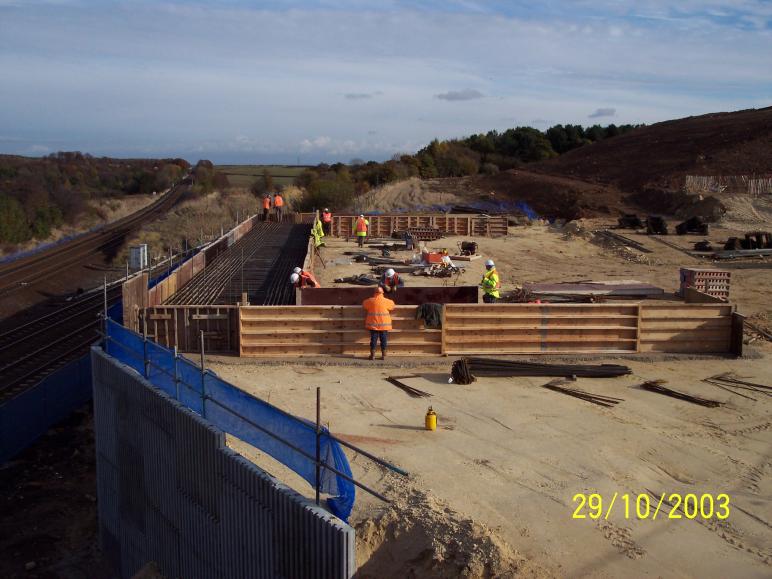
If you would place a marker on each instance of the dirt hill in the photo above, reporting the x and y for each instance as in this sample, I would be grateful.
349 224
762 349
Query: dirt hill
661 155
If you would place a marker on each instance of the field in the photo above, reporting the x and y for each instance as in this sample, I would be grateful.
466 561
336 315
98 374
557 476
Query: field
245 175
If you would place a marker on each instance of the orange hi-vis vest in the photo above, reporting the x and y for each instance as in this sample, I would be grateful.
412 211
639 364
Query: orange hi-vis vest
377 316
266 202
361 226
306 279
327 217
278 201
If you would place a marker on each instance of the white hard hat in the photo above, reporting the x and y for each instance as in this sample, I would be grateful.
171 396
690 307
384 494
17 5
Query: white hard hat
325 209
389 272
361 215
490 263
297 270
294 278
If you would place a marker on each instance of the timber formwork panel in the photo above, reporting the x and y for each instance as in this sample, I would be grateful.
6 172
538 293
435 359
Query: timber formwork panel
692 328
323 330
181 326
460 225
470 329
539 328
212 513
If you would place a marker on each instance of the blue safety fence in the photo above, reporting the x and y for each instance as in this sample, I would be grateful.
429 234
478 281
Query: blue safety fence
288 439
26 416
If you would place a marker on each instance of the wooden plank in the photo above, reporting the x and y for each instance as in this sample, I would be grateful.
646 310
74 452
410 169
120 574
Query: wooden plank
210 316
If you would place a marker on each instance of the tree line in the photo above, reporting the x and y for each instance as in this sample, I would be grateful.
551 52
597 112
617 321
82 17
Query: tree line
337 184
39 194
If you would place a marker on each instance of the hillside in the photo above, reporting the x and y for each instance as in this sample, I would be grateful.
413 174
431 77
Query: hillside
660 156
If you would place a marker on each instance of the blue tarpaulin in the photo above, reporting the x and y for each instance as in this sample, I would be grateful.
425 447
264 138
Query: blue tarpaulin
239 413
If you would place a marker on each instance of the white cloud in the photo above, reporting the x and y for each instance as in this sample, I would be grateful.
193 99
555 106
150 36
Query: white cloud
197 76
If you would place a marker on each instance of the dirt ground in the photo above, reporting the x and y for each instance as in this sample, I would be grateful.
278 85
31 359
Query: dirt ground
492 492
494 486
553 253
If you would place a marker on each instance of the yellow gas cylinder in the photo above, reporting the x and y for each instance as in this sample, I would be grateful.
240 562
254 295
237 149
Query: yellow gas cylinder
431 419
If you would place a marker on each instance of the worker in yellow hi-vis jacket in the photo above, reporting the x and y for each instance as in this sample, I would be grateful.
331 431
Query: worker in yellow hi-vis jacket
490 283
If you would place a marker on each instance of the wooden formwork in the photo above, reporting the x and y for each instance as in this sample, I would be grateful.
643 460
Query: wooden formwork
494 329
290 331
686 328
461 225
134 297
181 326
540 329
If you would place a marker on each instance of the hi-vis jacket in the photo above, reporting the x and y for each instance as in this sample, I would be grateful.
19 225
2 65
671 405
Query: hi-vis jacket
377 310
491 283
361 226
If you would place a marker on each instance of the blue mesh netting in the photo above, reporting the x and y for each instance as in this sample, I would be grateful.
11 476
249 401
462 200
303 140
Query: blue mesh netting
236 412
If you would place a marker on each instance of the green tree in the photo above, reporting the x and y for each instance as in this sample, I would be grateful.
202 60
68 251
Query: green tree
13 221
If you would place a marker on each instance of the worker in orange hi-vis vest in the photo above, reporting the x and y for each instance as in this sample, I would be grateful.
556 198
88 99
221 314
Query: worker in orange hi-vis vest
378 320
266 206
302 279
327 221
360 227
278 203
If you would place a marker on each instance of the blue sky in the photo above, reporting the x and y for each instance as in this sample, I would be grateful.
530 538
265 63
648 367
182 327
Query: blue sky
279 81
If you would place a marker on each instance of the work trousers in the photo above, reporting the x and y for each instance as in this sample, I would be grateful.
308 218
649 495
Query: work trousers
327 227
361 240
375 335
489 299
265 214
279 213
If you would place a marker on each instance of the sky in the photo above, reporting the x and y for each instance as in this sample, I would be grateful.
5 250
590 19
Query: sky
309 81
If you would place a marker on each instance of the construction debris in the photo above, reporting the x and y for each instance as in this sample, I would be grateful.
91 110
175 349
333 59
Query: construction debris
655 225
409 390
556 386
625 288
630 221
753 240
361 279
657 386
693 225
729 381
703 245
621 239
468 368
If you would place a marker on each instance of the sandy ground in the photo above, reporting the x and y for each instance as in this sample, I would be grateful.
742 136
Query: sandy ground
509 457
491 493
547 253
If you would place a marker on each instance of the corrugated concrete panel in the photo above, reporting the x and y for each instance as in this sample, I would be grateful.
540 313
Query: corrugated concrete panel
170 491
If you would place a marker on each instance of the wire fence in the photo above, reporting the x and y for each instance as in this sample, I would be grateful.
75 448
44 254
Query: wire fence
308 449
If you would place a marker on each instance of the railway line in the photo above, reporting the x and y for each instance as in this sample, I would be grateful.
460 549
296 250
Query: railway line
33 346
31 269
259 264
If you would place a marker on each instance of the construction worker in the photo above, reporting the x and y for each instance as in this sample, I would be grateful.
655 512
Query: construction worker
378 320
390 281
266 206
490 283
326 221
278 203
302 279
361 227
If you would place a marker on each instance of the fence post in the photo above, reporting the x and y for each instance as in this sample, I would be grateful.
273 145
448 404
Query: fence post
176 374
318 442
144 344
105 303
203 377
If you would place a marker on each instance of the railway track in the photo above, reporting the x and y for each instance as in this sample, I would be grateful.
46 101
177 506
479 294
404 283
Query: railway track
259 264
31 269
32 348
